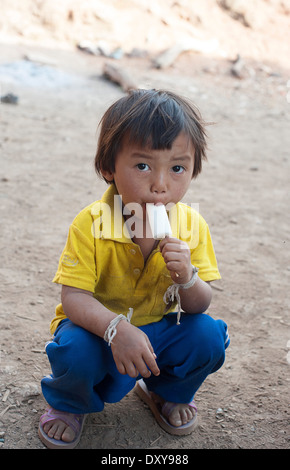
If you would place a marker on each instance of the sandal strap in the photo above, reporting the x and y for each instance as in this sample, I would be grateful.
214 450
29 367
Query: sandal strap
74 421
193 405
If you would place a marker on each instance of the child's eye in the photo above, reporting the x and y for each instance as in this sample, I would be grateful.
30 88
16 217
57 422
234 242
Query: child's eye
142 166
177 169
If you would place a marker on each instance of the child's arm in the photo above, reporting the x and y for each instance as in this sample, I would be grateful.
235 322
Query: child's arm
131 348
176 255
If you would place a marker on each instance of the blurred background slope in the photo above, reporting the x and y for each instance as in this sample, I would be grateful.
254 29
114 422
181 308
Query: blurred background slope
258 29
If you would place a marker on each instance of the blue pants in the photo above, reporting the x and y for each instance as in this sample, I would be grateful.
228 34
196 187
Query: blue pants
84 375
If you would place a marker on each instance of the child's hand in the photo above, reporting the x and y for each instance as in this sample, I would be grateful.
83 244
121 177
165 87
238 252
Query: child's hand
133 352
176 255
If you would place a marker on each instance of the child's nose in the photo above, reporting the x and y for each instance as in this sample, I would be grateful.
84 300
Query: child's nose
159 184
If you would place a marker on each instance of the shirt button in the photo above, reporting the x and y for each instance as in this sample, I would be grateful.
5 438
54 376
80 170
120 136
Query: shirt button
132 251
136 271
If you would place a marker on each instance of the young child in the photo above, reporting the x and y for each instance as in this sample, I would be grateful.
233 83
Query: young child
117 321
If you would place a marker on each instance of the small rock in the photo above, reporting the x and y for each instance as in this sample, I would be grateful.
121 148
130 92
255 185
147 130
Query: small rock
238 68
29 389
10 98
89 47
117 53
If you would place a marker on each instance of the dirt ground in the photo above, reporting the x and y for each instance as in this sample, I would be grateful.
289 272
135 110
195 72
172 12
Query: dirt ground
48 141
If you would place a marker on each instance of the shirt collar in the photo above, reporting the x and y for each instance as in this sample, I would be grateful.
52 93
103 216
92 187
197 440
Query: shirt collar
110 213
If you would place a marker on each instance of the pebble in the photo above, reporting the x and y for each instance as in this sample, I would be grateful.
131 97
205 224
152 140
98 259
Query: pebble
10 98
30 389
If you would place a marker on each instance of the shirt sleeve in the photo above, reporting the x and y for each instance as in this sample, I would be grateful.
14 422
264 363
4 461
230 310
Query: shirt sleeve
203 256
77 267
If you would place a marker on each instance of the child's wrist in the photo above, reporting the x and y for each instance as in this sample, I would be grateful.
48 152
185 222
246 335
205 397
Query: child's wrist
111 331
186 278
192 278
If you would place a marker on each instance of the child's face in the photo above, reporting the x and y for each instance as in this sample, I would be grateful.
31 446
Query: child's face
143 175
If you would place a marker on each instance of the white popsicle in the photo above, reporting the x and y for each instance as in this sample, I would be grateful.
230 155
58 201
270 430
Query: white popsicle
158 221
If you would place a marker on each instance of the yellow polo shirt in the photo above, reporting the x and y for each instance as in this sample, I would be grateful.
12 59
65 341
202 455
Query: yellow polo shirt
100 257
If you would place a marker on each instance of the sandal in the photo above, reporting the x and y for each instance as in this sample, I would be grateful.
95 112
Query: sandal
74 421
162 412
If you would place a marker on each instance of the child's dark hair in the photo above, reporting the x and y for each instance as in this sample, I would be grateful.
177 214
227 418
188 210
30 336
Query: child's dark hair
149 118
